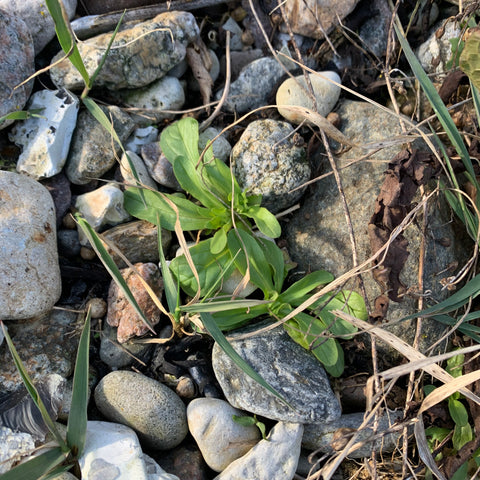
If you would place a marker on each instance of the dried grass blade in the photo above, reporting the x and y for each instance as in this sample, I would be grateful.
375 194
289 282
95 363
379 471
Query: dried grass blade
424 451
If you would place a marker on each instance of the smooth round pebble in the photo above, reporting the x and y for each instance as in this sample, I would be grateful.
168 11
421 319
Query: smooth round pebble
154 411
294 91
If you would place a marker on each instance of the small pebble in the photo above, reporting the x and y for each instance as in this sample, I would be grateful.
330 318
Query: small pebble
87 253
98 307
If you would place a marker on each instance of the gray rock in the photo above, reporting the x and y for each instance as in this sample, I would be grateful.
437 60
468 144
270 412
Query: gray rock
68 243
294 372
332 437
112 451
140 54
267 161
220 439
64 476
29 270
141 137
221 147
318 237
93 151
159 167
293 91
46 345
17 63
37 18
140 169
118 356
123 396
46 139
164 94
138 241
14 447
275 457
239 60
253 85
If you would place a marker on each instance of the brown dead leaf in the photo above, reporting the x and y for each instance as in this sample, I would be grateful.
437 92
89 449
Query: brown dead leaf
200 62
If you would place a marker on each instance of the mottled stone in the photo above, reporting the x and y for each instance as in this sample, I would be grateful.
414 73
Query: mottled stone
16 63
239 60
159 167
253 85
140 54
315 18
294 91
121 314
37 18
293 371
141 137
46 138
267 161
123 396
332 437
275 457
14 447
221 147
46 345
30 276
138 241
93 150
220 438
185 461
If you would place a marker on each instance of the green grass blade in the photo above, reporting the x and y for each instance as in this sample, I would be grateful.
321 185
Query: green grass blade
36 467
77 420
22 114
224 344
65 37
109 264
33 392
222 305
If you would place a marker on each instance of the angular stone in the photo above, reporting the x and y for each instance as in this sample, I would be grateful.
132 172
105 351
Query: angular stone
220 439
141 137
93 150
17 63
267 161
121 313
293 371
124 396
30 276
140 54
275 457
14 447
46 139
159 167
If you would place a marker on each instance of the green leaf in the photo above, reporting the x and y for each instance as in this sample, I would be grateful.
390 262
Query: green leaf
244 420
461 473
112 269
437 434
265 220
232 319
192 217
77 419
275 259
37 466
219 241
22 114
221 181
295 294
455 365
32 391
461 435
224 344
458 412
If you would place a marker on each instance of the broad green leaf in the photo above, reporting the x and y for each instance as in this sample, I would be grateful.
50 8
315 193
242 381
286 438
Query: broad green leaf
209 268
259 268
32 391
458 412
469 59
462 434
77 419
221 181
336 370
295 294
219 241
224 344
36 467
437 434
265 220
274 257
181 140
192 216
231 319
66 39
109 264
244 420
462 472
455 365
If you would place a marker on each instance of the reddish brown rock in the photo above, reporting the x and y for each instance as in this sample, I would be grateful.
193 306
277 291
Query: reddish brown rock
121 314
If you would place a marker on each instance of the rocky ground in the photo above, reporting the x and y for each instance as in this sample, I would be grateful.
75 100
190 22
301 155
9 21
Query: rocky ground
171 399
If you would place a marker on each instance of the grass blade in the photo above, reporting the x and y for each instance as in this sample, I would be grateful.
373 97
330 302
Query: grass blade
224 344
33 392
77 420
36 467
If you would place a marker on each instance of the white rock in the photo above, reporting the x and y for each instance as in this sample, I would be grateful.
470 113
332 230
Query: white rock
100 207
294 92
276 457
37 17
220 439
112 451
154 471
30 276
13 446
221 147
141 137
141 169
46 139
164 94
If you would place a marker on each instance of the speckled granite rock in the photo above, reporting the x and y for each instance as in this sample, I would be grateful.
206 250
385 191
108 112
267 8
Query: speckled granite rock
139 55
16 63
92 152
266 160
290 369
30 276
